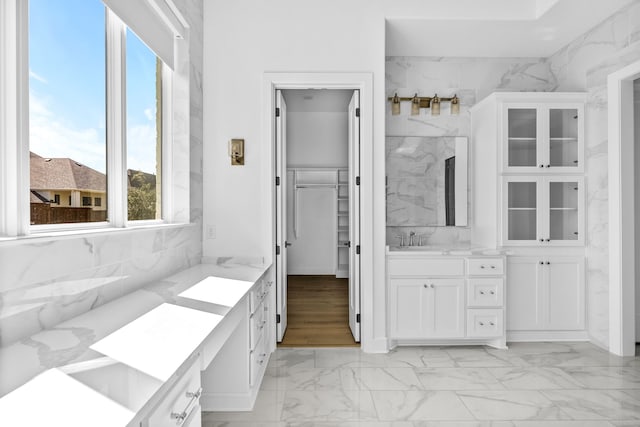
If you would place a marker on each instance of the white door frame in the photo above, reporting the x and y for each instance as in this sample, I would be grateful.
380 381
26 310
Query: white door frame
621 211
364 83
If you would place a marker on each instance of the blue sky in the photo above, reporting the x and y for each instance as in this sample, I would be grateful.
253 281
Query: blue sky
67 86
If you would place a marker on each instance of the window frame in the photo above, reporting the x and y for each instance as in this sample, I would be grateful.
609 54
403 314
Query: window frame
14 130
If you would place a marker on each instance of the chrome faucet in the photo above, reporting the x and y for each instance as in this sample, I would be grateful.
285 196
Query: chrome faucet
401 237
411 236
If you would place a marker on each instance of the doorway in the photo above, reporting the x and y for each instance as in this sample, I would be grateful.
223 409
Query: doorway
623 190
317 216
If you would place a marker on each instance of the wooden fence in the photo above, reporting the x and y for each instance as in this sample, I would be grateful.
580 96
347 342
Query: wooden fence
43 213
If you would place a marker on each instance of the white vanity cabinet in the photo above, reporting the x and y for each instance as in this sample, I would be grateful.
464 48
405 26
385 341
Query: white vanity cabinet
445 299
546 294
181 405
232 380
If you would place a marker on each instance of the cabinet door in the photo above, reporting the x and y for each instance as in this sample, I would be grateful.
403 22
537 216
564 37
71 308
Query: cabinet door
524 293
407 302
521 133
564 293
563 202
564 146
445 315
522 206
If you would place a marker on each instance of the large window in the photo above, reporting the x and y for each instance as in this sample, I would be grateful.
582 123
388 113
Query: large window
86 115
67 111
73 46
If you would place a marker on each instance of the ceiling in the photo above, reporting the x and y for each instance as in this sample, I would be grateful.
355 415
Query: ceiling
548 26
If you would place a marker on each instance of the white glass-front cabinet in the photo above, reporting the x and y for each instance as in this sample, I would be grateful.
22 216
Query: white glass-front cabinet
543 210
543 138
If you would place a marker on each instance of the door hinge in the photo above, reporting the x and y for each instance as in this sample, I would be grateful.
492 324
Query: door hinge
358 318
357 249
277 318
277 112
277 180
357 180
357 112
277 250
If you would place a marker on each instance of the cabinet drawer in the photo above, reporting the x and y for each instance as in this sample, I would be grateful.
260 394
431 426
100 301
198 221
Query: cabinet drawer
256 295
180 403
483 323
485 292
426 267
486 266
256 326
257 360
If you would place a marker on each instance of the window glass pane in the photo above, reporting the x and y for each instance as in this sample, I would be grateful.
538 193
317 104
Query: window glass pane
144 135
67 110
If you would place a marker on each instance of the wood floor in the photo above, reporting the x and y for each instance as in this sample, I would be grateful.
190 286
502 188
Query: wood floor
318 313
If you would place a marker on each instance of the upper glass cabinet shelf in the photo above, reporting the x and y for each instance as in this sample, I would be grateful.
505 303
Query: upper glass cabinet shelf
543 138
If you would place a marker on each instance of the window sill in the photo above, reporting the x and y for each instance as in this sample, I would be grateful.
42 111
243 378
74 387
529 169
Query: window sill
49 235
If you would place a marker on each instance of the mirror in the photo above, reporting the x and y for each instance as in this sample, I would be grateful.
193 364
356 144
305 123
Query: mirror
426 181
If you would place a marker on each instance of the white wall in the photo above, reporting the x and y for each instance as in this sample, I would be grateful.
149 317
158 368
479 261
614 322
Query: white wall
317 139
636 135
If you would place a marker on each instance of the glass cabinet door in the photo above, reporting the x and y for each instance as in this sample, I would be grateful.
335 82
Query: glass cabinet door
522 137
563 137
564 201
522 210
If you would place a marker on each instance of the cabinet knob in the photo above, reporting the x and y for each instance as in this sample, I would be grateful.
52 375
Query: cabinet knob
493 266
542 240
491 323
548 166
432 286
425 285
547 240
492 293
482 266
481 323
481 292
541 262
548 263
541 166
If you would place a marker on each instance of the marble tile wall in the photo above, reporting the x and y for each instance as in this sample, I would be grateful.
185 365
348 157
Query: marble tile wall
44 281
472 79
583 65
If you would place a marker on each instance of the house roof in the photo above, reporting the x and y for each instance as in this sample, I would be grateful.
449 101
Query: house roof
64 174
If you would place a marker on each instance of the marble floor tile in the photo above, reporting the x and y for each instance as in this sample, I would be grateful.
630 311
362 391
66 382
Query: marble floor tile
511 405
380 379
419 405
458 379
337 405
536 378
606 377
353 424
206 423
596 404
302 379
475 357
268 408
562 424
293 358
464 424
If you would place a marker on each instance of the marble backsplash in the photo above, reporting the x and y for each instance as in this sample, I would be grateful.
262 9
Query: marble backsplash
583 65
45 281
472 79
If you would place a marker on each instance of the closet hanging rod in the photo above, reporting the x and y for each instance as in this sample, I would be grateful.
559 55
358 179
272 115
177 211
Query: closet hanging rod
315 185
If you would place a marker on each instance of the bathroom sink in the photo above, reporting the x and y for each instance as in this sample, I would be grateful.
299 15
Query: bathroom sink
116 381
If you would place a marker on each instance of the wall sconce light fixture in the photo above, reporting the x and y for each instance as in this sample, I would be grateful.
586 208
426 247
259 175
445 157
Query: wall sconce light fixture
418 102
236 151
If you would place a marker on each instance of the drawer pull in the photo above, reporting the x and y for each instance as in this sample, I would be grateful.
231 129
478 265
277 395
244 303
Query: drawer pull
481 292
491 323
180 417
492 292
481 323
493 266
482 266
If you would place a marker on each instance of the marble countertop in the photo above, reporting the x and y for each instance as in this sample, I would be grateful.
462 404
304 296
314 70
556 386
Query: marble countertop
446 250
28 364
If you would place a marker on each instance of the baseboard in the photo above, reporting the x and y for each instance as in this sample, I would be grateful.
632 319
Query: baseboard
376 345
538 336
498 343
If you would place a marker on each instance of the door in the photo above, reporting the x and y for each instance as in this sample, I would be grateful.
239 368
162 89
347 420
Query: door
446 308
524 293
564 293
522 128
354 215
281 216
564 217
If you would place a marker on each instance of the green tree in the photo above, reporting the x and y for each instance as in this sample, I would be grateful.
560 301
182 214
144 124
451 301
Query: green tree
141 197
